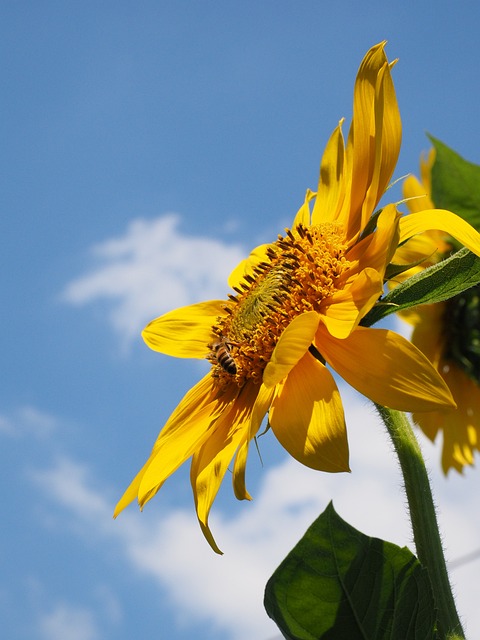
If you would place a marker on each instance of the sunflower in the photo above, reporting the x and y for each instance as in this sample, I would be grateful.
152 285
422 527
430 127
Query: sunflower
448 333
295 308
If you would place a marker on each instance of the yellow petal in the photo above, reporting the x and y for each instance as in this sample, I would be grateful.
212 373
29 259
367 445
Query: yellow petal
362 130
428 333
303 214
427 160
131 492
245 267
202 395
184 433
348 306
307 417
331 185
293 343
388 137
210 463
387 369
427 247
460 428
185 332
444 221
260 408
374 138
416 194
376 249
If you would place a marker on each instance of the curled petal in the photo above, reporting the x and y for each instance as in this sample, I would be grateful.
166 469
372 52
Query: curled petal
307 417
398 375
293 344
184 332
444 221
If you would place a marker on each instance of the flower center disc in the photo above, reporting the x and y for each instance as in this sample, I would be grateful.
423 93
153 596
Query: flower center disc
300 270
462 331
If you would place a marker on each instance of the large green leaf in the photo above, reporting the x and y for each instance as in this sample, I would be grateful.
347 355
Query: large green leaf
339 584
437 283
456 184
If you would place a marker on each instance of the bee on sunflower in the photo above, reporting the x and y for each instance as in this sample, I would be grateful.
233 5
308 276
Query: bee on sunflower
294 314
448 333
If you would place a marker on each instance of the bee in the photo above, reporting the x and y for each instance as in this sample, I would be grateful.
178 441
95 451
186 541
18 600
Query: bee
221 353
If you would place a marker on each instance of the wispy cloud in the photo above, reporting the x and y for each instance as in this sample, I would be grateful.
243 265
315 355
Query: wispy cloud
152 268
28 421
68 622
227 591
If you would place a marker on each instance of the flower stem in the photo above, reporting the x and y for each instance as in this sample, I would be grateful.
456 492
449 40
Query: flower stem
424 520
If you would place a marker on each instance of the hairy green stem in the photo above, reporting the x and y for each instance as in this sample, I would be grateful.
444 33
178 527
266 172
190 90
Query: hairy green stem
424 520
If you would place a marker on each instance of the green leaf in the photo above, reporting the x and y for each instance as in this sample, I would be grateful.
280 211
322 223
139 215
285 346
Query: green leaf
456 184
339 584
437 283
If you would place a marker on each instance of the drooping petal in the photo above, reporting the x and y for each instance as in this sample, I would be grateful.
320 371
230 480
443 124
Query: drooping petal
211 461
290 348
398 375
460 428
189 426
331 185
184 332
188 421
131 493
260 408
444 221
307 417
348 306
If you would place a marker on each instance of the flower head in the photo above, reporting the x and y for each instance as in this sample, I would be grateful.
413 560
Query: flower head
296 308
448 333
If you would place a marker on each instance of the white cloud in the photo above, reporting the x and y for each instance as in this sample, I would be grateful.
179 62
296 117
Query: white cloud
28 421
227 591
67 622
67 483
152 268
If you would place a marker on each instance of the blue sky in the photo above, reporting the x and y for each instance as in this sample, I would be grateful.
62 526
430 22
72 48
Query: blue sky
147 146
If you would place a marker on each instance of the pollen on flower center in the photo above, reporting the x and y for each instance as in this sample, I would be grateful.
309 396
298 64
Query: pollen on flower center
300 270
